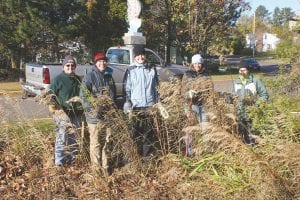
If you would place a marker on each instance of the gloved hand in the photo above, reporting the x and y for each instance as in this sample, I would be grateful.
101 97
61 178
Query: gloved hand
164 113
228 99
52 108
191 94
127 107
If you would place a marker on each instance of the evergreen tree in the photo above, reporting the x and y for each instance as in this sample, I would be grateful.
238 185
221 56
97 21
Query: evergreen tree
102 24
277 19
47 27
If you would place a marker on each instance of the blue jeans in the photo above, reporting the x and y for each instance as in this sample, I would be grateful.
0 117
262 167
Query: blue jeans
201 117
198 110
66 147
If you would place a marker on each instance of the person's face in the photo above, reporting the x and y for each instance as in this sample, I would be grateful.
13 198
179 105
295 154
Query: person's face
243 72
69 68
197 67
140 59
101 65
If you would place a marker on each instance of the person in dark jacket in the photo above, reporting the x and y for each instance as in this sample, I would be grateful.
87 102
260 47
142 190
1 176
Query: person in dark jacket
65 86
250 91
192 97
96 83
141 93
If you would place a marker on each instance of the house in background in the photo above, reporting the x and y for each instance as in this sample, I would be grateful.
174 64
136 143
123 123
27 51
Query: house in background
262 42
293 22
294 26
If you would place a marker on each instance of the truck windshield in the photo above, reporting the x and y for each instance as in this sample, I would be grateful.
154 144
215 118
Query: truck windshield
120 56
152 58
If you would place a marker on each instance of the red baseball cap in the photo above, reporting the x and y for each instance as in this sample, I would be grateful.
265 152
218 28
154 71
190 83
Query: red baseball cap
100 56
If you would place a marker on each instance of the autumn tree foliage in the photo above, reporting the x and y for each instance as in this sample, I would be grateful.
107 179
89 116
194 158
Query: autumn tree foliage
191 26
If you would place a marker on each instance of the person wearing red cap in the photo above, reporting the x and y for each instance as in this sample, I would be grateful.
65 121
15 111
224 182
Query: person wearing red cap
96 83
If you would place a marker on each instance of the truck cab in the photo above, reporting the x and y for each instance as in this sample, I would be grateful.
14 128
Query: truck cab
120 58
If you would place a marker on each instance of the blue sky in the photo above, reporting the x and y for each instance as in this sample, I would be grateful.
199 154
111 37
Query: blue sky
271 4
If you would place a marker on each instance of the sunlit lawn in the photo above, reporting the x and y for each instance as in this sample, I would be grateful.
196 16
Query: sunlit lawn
10 86
230 76
16 86
224 77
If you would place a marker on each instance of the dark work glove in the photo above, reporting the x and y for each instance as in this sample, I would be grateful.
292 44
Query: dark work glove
228 98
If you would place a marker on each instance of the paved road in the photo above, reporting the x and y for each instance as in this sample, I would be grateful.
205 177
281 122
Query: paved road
13 107
267 68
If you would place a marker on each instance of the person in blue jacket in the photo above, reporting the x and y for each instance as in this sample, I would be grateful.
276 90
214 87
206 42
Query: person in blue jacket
141 93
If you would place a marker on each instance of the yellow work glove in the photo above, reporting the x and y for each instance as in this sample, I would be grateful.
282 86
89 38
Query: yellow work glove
52 108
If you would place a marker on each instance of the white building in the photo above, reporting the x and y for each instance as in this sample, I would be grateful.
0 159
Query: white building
294 21
269 41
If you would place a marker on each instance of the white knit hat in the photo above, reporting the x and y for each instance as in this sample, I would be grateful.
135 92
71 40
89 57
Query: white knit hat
197 58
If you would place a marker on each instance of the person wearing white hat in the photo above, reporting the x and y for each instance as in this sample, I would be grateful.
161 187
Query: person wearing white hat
193 99
197 71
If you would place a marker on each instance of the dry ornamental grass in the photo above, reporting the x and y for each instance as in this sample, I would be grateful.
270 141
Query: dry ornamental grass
221 166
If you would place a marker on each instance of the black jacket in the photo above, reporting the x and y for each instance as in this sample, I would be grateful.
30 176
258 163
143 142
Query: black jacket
191 74
188 77
96 84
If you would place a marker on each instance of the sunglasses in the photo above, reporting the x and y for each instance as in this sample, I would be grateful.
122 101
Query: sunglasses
70 65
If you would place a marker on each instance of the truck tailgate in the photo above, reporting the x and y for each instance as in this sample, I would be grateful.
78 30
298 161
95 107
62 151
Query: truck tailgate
34 77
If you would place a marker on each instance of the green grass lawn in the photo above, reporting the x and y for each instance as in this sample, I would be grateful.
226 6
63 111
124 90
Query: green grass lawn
224 77
16 86
231 76
10 86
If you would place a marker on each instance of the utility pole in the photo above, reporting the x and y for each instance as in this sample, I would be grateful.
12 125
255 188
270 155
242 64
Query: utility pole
253 36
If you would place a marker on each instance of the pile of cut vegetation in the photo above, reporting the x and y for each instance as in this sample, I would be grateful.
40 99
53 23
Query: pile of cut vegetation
220 166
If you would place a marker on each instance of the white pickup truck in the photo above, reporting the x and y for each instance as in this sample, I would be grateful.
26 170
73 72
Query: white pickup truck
39 76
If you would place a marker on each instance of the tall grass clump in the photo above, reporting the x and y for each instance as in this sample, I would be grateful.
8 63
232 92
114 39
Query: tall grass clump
220 165
278 124
28 139
276 118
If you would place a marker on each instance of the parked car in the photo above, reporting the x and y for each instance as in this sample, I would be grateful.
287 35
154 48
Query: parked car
120 58
251 62
211 63
232 60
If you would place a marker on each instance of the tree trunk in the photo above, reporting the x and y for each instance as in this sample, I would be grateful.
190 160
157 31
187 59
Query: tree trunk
13 63
168 45
169 33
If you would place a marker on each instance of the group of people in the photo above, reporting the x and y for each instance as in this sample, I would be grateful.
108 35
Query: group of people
141 93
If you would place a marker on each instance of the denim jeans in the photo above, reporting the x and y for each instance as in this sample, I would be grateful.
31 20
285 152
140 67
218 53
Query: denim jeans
198 110
66 146
201 117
